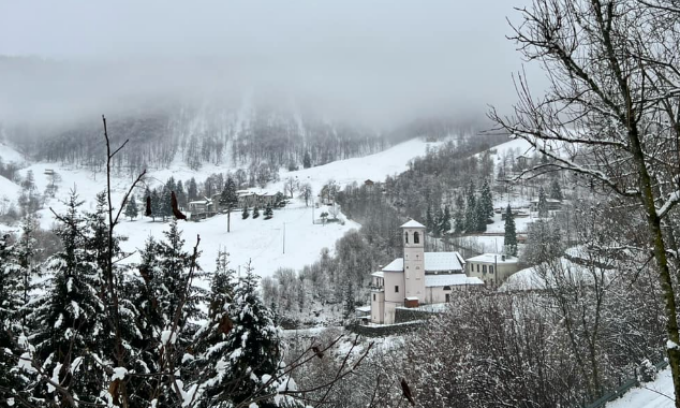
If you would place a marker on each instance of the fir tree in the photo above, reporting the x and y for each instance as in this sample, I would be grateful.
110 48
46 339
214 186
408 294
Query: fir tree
229 199
480 216
348 303
155 205
471 214
510 240
70 316
556 190
460 222
181 195
445 222
268 212
487 200
245 213
542 204
307 161
256 212
164 206
429 221
241 352
192 191
131 208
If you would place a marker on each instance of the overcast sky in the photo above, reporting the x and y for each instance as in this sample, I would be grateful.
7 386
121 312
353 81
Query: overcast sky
385 58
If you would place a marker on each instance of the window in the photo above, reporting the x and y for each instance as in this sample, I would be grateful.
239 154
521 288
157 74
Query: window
490 268
484 268
448 298
374 297
406 237
477 267
416 238
396 289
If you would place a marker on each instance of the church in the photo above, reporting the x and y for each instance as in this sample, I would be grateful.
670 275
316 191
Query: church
418 278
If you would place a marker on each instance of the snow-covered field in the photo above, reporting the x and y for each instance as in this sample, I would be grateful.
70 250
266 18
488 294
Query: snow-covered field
259 241
656 394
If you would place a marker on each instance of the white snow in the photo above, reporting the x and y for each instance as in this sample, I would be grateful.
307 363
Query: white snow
168 337
257 240
656 394
119 373
434 261
455 279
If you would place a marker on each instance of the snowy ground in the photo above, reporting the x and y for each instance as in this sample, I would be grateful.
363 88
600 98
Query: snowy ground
655 394
257 240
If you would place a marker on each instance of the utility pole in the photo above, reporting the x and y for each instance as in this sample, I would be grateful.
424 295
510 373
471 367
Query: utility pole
284 237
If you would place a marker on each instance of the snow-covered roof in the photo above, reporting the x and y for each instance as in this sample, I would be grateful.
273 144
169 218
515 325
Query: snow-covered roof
412 224
455 279
366 309
412 298
543 276
493 258
434 262
379 274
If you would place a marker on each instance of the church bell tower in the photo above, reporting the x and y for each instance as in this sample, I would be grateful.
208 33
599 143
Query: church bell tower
413 239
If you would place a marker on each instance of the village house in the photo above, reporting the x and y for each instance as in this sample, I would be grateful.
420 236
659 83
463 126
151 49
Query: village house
418 278
493 269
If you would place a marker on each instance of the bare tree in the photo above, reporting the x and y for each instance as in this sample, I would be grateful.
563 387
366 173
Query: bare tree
611 114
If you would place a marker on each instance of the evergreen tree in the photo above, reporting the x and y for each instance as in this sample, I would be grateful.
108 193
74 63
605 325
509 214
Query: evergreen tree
25 253
445 222
131 208
480 216
181 195
542 204
556 190
268 212
70 316
487 200
256 212
471 223
429 221
307 161
155 204
11 307
164 206
460 222
192 191
510 240
245 214
245 352
229 199
348 303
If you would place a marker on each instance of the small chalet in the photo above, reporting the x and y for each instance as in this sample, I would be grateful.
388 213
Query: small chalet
253 197
493 269
418 278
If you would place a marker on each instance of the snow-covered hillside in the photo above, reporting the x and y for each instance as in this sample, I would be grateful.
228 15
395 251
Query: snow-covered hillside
257 240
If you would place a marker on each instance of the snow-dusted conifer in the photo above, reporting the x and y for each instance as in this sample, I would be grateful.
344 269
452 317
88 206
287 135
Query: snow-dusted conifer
69 319
256 212
510 239
542 204
268 212
487 200
556 190
245 213
131 210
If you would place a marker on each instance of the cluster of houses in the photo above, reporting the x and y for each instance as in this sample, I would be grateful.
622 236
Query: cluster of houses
209 206
430 278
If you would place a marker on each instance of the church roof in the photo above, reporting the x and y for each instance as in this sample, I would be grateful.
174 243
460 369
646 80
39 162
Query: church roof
412 224
434 262
455 279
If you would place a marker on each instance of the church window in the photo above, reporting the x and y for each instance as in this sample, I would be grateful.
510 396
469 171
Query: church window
416 238
374 297
396 289
406 237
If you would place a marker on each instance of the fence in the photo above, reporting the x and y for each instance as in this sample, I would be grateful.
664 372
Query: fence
623 388
384 330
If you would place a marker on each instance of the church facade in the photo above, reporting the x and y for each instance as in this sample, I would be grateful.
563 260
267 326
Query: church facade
417 278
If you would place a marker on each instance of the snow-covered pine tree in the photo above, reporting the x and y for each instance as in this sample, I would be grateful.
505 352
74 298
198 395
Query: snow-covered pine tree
256 212
470 214
181 195
268 212
510 239
11 307
192 190
445 222
556 190
131 210
542 206
165 207
25 255
245 213
70 319
307 161
243 364
487 200
229 199
429 220
348 301
480 216
155 204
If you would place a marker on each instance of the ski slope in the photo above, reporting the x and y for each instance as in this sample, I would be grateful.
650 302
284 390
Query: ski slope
258 241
